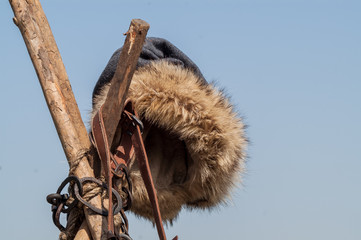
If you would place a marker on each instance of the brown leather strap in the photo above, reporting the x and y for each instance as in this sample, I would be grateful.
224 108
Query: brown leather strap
141 155
148 181
125 149
102 146
131 142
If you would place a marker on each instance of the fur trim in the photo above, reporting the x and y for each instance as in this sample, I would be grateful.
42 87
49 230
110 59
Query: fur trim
195 141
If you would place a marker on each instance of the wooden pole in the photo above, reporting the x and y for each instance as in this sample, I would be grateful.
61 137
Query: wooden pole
114 103
127 63
83 232
121 80
44 53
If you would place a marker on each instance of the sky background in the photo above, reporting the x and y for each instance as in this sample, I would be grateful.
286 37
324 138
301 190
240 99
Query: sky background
292 69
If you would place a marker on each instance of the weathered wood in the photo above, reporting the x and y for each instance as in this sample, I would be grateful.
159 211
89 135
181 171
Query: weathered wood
44 53
120 83
83 232
114 103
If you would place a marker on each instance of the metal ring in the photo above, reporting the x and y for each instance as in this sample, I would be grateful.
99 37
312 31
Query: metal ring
78 184
119 168
56 198
56 216
129 199
138 122
126 173
116 208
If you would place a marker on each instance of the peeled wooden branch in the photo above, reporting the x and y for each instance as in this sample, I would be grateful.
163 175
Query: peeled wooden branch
44 53
121 80
83 232
123 75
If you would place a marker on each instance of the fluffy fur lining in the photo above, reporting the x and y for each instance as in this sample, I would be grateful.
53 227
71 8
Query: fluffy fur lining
194 140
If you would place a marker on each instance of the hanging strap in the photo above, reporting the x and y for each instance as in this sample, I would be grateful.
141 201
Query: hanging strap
131 143
102 146
141 155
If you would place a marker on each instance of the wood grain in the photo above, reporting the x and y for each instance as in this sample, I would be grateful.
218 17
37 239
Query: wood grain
49 67
120 83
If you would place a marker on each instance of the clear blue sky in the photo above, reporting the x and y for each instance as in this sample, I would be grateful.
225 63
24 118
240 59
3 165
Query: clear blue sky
292 68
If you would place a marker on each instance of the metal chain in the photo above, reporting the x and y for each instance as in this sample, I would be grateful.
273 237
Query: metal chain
60 202
121 172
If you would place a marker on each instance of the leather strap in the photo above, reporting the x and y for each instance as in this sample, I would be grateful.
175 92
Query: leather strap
148 181
143 162
131 143
102 146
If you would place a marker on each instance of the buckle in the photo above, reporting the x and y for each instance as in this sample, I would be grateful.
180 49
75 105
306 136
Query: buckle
138 122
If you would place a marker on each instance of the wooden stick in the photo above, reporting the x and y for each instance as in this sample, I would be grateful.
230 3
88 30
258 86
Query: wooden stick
44 53
83 232
114 103
120 83
33 25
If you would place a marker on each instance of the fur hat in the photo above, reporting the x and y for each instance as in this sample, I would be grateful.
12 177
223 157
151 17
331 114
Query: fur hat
194 140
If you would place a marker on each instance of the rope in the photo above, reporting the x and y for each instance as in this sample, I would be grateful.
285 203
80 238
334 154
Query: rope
76 215
82 153
90 190
81 192
75 219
